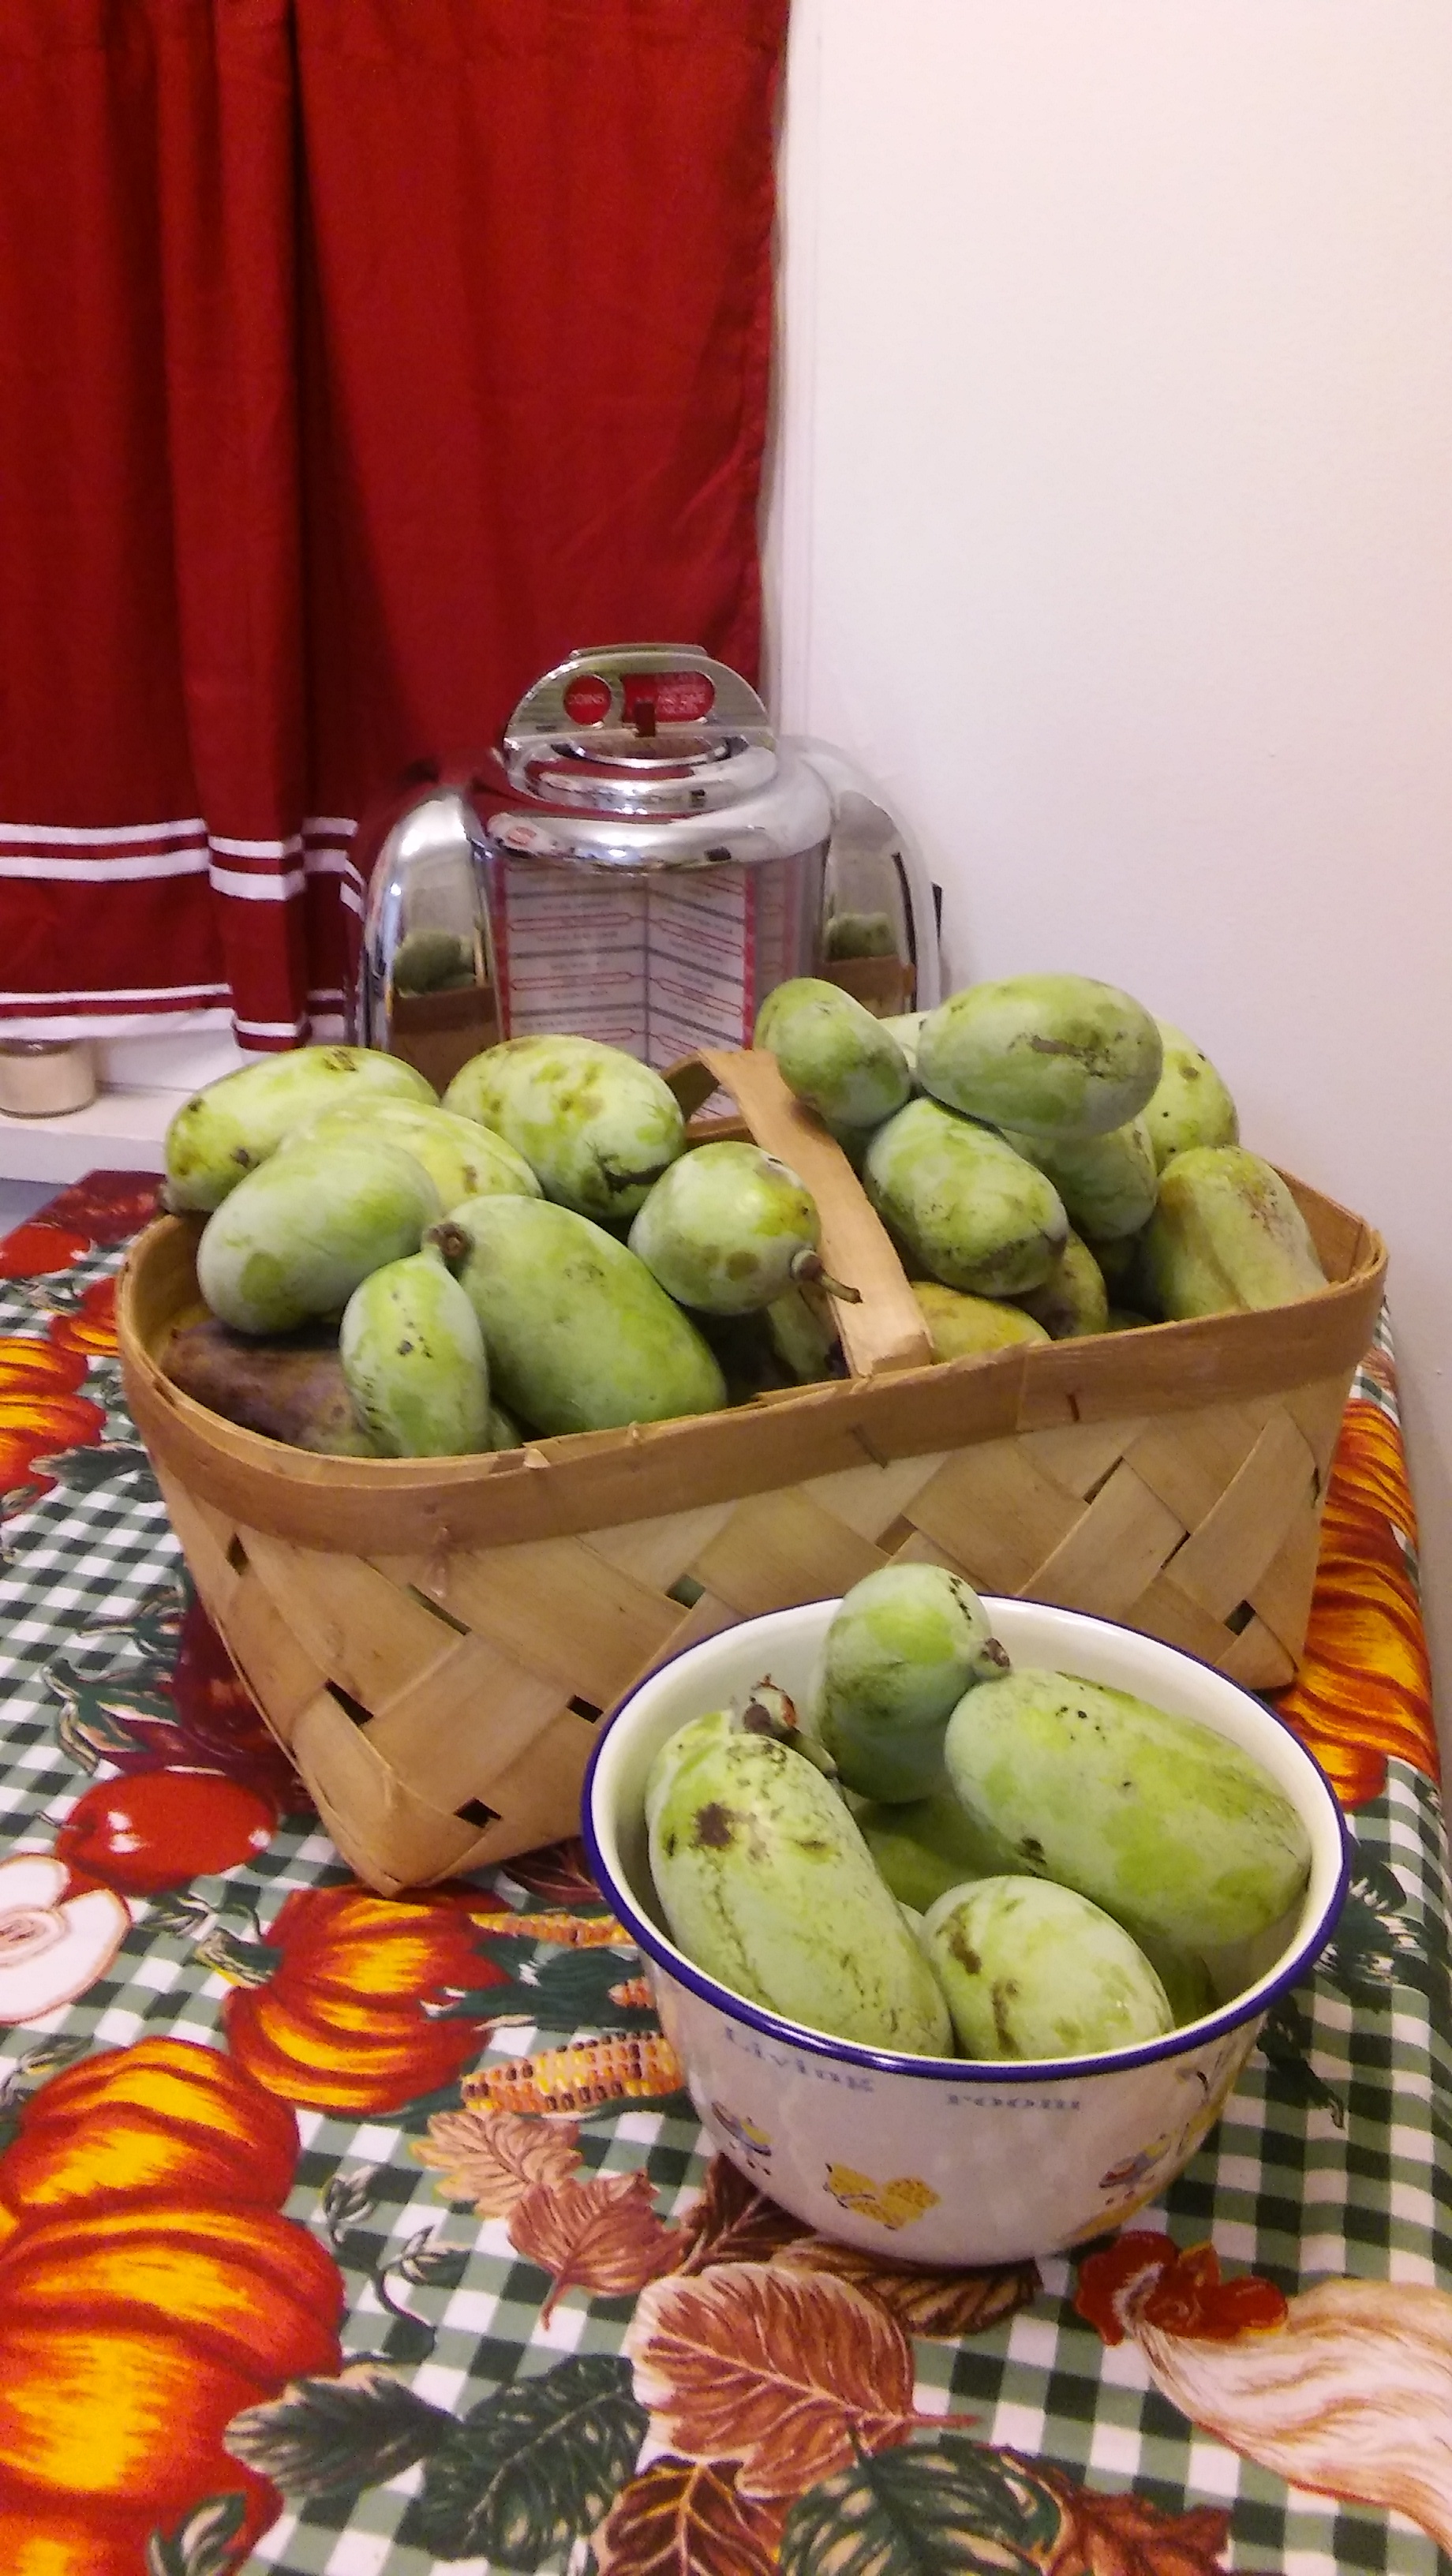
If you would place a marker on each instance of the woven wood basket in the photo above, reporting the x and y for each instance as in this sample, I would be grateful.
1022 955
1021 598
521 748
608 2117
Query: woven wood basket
436 1641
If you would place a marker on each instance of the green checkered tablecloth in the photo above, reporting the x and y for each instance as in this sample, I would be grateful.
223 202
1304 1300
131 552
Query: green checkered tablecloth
350 2238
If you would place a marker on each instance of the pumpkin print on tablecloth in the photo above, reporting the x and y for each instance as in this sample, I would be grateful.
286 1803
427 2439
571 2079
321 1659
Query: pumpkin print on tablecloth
1364 1687
40 1410
149 2290
90 1325
355 2018
163 2117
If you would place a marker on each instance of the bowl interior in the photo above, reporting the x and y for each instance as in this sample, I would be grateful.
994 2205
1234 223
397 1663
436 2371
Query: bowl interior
782 1648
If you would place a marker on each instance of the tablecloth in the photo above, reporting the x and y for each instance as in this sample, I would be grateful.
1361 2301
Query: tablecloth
364 2237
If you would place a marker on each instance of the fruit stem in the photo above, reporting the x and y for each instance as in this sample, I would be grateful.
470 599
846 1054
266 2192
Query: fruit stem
769 1711
808 1265
449 1239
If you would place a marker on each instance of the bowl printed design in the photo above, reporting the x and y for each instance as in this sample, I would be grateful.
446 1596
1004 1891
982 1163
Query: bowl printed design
966 2162
1169 2151
752 2141
984 2144
892 2204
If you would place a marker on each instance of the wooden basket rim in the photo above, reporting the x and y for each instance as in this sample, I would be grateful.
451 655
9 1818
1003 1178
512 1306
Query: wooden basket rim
589 1480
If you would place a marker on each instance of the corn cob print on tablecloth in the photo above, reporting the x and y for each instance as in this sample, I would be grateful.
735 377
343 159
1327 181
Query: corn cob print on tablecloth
354 2238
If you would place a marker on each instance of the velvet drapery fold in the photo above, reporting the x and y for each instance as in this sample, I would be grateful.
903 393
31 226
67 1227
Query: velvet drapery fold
358 359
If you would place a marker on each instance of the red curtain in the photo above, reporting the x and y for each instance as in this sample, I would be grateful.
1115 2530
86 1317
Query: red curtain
358 359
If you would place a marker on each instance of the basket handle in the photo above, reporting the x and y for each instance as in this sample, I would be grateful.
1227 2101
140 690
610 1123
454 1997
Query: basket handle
886 1330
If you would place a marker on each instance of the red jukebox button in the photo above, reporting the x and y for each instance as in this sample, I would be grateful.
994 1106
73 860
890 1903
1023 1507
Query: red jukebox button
588 700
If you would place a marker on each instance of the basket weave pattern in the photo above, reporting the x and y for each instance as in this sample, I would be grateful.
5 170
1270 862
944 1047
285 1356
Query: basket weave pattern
435 1642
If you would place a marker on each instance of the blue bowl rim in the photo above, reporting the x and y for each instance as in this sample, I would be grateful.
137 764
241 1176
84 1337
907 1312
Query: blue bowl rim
993 2073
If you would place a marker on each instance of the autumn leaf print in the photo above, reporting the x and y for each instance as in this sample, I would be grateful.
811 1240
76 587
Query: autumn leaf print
1126 2535
733 2222
560 1874
790 2374
685 2518
492 2158
942 2304
954 2508
337 2436
531 2471
602 2235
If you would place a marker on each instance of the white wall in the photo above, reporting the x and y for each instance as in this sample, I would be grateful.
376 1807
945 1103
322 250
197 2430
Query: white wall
1112 526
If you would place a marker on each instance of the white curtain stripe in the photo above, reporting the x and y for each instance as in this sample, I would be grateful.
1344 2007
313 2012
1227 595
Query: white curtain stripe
113 993
159 863
172 1017
291 848
98 835
247 889
238 870
317 831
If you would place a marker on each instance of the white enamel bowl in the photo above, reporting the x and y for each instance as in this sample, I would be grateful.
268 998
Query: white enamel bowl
946 2160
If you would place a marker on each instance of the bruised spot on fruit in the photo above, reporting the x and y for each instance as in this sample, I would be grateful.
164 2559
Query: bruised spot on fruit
403 1349
240 1155
1003 1995
715 1827
1032 1850
964 1952
1095 1055
739 1265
